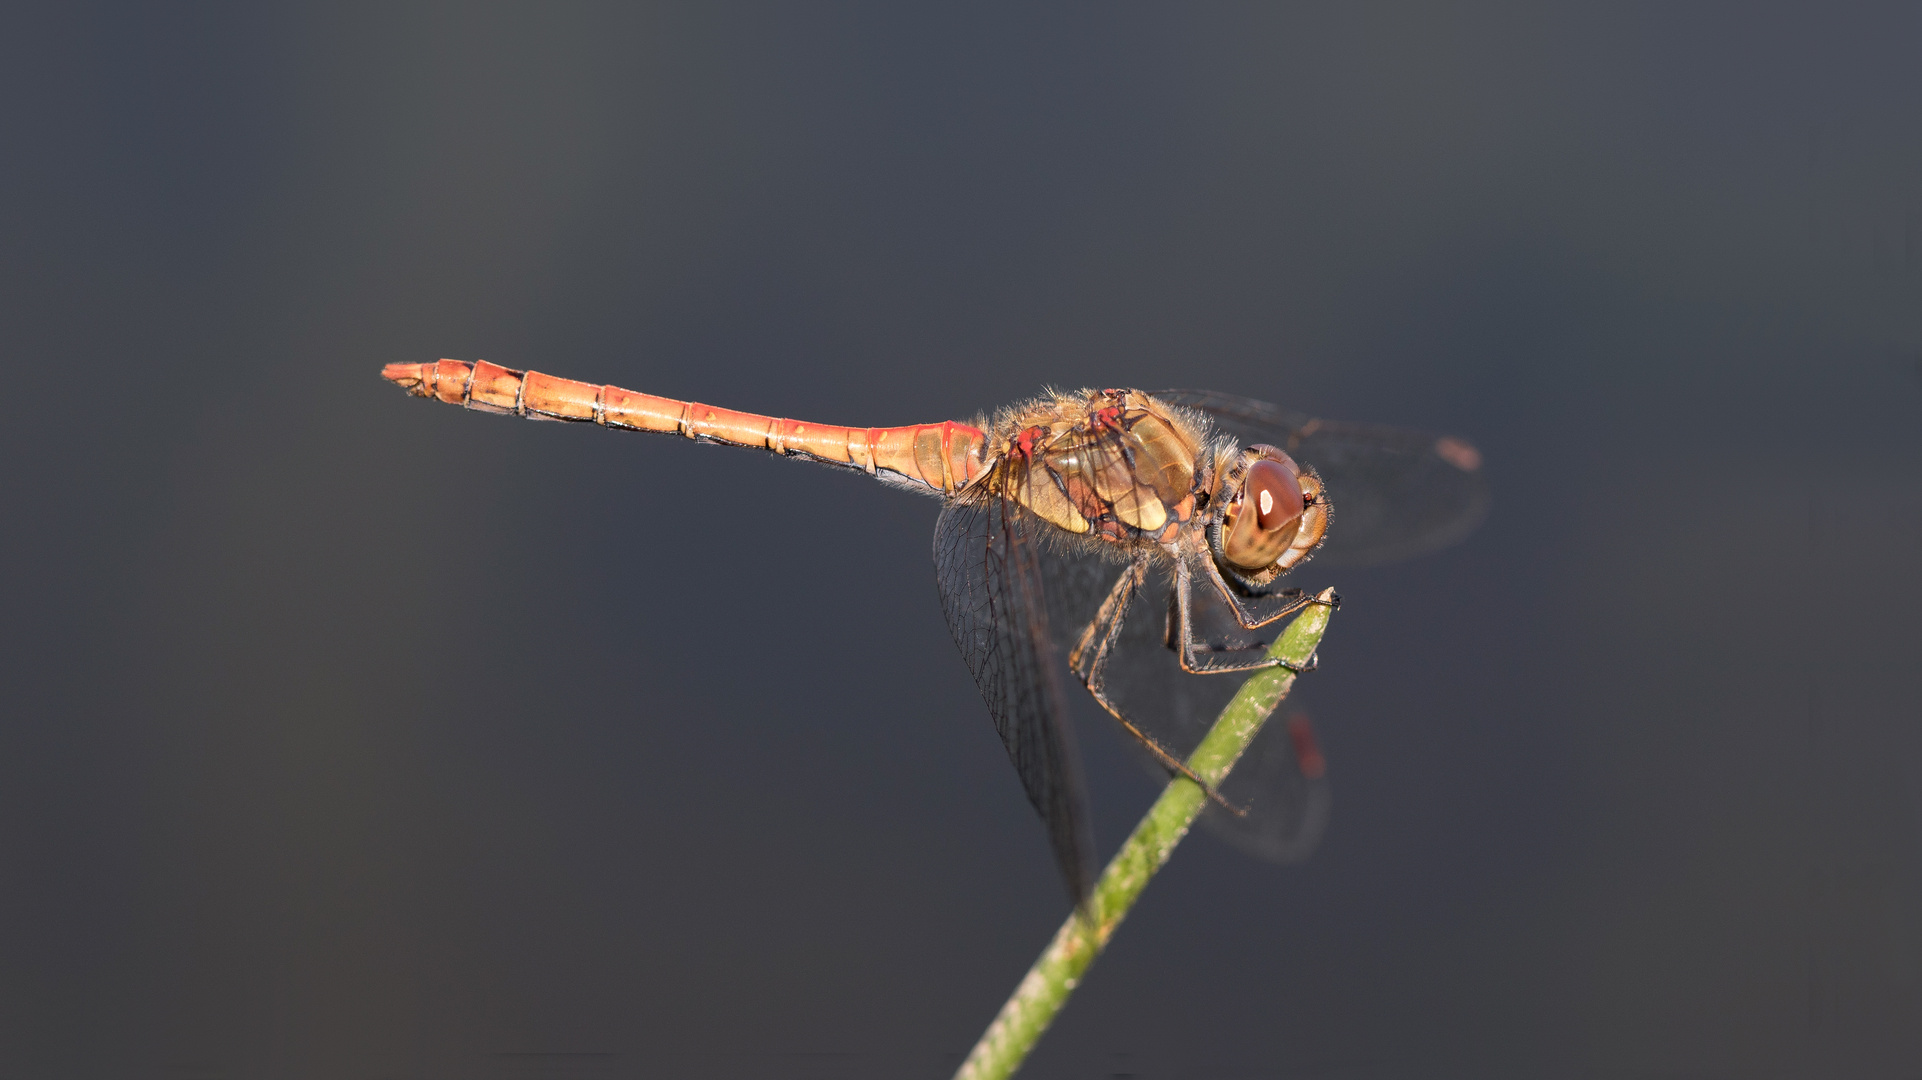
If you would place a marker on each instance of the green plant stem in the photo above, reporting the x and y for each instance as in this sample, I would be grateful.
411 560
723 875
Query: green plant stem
1055 975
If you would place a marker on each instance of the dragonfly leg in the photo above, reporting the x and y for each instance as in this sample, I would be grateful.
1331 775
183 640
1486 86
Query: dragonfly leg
1250 612
1089 660
1107 620
1202 658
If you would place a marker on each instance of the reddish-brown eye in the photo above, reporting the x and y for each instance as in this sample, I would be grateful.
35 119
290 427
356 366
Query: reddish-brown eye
1274 492
1261 524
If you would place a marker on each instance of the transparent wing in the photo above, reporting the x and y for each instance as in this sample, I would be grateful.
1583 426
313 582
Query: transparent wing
1281 781
1395 493
986 557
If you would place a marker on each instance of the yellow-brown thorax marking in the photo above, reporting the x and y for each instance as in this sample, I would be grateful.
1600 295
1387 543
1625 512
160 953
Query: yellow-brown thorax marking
1114 466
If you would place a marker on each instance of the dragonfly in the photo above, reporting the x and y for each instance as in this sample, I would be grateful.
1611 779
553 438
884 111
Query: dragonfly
1139 536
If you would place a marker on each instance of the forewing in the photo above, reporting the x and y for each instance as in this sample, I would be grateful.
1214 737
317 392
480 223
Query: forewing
1394 493
986 563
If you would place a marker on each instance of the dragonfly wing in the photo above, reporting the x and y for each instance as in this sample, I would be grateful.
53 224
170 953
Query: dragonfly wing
1281 781
1282 784
986 557
1395 493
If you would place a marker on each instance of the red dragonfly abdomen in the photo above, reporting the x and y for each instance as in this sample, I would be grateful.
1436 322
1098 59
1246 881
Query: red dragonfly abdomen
942 456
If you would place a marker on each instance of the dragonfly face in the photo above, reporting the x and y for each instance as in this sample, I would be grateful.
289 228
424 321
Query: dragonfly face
1268 515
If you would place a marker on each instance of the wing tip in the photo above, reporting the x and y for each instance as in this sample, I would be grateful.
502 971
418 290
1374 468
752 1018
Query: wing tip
1459 453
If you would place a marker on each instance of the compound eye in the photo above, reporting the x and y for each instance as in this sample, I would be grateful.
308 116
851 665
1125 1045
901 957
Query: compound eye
1263 522
1274 490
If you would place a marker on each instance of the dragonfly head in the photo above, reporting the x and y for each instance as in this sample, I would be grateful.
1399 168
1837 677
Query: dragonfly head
1270 515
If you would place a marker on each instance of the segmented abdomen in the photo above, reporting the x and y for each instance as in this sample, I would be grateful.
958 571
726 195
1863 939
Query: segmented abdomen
942 456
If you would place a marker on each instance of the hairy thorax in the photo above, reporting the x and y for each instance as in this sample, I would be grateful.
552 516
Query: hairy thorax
1105 465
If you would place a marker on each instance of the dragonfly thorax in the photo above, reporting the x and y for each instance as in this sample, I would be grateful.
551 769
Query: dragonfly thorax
1112 464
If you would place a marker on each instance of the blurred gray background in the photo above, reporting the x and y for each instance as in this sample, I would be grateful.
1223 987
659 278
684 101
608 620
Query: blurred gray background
354 736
